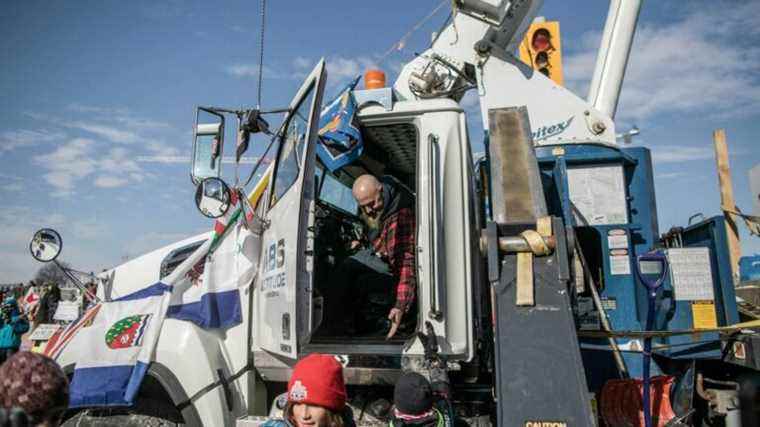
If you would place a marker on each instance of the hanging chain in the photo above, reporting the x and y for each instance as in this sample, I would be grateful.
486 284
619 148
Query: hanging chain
261 50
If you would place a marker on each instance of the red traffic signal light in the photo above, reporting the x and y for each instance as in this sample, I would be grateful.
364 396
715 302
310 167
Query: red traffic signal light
541 40
541 49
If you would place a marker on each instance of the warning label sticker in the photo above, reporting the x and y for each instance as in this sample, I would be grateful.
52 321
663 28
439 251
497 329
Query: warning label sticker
703 315
690 273
620 264
617 241
599 193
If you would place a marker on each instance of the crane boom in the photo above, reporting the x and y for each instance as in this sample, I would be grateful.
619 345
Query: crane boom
475 51
612 60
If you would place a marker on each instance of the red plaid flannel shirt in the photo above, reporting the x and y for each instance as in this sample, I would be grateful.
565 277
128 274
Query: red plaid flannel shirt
395 244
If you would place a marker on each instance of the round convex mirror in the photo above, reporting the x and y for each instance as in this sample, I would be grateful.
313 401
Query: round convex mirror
46 245
212 197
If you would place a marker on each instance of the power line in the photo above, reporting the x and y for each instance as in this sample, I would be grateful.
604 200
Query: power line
402 41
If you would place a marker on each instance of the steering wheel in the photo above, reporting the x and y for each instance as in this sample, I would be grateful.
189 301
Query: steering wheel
348 224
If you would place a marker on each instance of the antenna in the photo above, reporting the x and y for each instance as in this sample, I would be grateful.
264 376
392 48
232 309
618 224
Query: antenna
261 51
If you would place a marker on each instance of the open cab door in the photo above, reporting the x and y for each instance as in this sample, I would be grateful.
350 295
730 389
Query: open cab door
284 306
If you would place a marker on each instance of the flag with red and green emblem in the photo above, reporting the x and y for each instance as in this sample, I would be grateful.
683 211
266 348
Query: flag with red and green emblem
127 332
116 349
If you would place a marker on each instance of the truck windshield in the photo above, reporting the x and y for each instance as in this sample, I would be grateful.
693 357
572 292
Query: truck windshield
337 194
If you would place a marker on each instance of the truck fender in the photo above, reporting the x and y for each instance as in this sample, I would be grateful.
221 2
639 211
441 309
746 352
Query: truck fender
204 368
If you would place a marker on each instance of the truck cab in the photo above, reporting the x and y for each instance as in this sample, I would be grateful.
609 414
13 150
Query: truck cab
424 146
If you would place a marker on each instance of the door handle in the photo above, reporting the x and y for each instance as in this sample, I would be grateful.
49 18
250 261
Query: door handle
435 284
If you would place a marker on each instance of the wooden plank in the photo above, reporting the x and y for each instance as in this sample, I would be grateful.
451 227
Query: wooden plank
727 200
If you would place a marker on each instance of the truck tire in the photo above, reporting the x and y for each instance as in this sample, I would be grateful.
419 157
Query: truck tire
147 412
88 418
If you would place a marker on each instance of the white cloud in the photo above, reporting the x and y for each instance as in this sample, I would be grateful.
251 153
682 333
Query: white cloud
153 240
680 153
19 224
671 175
162 149
66 164
163 153
686 153
166 10
100 110
242 70
302 63
164 159
110 182
10 140
13 187
108 132
117 115
88 229
11 184
697 64
340 69
187 160
118 161
248 70
70 163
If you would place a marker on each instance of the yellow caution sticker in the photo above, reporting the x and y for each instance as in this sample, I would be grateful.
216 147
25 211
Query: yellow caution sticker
545 424
703 314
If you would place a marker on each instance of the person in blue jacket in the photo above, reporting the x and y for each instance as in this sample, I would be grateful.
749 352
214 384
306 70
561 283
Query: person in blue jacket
13 324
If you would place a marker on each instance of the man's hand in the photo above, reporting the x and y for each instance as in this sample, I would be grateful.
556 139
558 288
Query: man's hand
395 317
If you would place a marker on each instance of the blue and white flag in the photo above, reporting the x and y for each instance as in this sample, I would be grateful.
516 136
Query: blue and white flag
121 340
211 298
340 140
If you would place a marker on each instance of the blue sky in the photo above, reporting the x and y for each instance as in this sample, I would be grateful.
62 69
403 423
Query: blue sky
97 98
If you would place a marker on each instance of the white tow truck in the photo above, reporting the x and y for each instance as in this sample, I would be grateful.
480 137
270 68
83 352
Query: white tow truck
305 220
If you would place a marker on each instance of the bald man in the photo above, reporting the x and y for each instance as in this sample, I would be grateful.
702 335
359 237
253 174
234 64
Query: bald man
387 208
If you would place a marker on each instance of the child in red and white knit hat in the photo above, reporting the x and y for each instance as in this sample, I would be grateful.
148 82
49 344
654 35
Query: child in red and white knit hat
317 393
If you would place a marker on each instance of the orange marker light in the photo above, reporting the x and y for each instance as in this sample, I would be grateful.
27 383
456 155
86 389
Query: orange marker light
374 79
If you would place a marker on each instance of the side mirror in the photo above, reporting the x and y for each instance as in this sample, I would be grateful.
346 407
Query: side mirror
212 197
208 141
46 245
